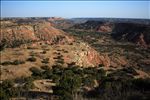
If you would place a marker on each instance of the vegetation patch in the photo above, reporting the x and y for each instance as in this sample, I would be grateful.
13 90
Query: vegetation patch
46 60
31 59
15 62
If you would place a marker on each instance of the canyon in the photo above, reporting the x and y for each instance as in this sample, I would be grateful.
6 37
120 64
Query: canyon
78 55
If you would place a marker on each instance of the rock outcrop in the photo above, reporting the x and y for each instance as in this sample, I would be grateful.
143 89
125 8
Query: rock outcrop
141 41
133 32
88 57
55 18
106 27
16 35
94 26
51 35
137 33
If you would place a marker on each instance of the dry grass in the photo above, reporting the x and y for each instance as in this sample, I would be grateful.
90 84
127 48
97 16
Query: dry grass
68 52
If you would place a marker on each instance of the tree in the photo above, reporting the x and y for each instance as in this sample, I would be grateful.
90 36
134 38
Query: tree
35 71
6 89
45 67
3 44
46 60
29 83
88 81
69 84
31 59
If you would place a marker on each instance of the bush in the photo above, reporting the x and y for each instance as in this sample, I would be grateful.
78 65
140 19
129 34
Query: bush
35 71
47 74
31 59
44 52
69 83
45 60
57 69
122 89
45 67
66 96
3 45
17 43
6 63
28 83
7 84
88 81
3 95
55 78
6 89
17 62
90 70
101 74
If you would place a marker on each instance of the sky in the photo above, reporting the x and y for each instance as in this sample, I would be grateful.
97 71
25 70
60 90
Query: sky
75 9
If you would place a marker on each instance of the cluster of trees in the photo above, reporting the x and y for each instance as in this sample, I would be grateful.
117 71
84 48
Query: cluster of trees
3 44
121 86
15 62
8 89
14 43
59 59
70 82
68 86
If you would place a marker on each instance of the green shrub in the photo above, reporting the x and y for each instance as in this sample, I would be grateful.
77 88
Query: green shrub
31 59
55 78
6 63
28 83
126 89
57 69
6 89
69 84
17 62
48 74
88 81
90 70
7 84
45 67
101 74
3 44
3 95
45 60
66 96
35 71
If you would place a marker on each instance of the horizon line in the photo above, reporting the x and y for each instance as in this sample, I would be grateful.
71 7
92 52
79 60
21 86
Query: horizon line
73 17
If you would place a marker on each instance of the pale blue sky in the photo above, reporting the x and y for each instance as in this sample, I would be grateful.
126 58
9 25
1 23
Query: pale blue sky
71 9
